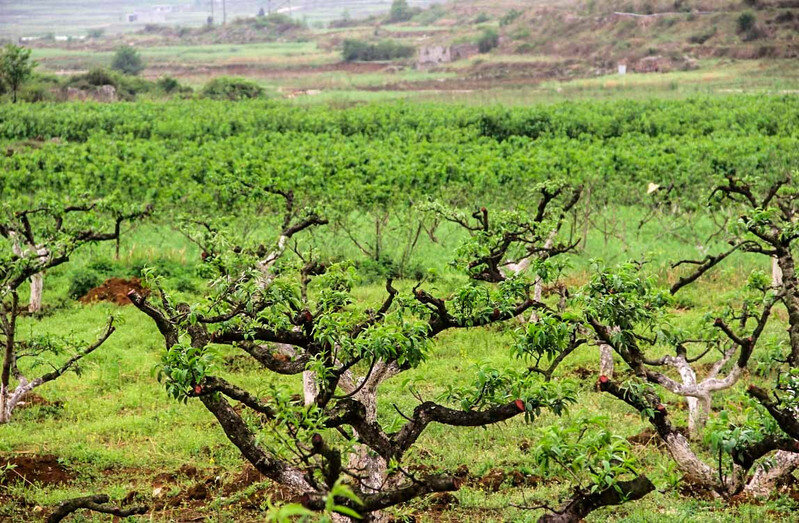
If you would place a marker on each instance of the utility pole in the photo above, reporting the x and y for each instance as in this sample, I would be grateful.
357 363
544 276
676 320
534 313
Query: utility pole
211 18
224 13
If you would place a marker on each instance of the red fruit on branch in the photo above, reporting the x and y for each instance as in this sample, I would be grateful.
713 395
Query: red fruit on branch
483 210
603 379
718 322
198 389
661 408
519 405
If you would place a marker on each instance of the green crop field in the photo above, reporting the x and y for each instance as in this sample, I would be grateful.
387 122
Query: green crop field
275 271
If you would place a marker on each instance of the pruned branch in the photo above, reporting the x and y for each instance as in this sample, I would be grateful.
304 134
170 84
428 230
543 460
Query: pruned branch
585 501
95 503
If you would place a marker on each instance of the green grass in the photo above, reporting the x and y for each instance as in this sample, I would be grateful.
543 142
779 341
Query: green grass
118 430
281 54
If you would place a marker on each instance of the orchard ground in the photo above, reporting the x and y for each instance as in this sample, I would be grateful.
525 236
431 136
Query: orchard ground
114 430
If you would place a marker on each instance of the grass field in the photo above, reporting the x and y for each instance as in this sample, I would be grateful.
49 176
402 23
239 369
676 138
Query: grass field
116 431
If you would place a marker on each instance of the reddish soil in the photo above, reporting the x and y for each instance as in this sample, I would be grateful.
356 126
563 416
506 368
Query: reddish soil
115 290
44 469
264 70
492 480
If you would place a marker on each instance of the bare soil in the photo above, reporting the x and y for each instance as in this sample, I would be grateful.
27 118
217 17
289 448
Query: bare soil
43 469
115 290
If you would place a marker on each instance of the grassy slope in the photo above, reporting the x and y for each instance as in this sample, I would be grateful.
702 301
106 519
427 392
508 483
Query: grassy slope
544 53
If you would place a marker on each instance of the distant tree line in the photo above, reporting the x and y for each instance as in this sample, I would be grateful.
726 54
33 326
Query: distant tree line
358 50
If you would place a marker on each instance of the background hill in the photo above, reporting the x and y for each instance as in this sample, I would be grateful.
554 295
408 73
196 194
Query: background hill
504 49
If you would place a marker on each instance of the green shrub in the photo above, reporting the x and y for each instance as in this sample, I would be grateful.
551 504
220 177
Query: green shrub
482 18
103 267
488 40
521 33
127 87
430 15
358 50
94 78
746 21
40 88
524 48
510 17
400 12
127 60
185 284
701 38
170 85
95 33
81 282
229 88
166 267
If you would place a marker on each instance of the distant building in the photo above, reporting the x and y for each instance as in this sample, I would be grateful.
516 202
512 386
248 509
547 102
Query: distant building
146 17
441 54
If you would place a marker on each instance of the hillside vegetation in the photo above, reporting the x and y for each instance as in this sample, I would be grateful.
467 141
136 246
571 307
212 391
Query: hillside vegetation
509 45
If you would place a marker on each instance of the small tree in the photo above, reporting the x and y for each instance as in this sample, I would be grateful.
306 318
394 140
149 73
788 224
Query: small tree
333 434
400 11
30 242
16 67
40 238
488 40
746 21
127 60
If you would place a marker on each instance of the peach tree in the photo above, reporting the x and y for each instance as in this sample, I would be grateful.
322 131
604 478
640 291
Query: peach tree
331 434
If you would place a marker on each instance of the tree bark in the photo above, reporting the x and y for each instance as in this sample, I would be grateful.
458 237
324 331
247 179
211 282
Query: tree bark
96 503
585 503
37 288
766 478
9 330
776 273
790 284
309 388
605 360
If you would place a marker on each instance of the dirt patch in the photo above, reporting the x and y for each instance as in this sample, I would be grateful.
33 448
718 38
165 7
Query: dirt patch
115 290
645 437
695 488
521 479
492 480
443 501
44 469
242 480
583 372
34 400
